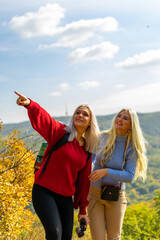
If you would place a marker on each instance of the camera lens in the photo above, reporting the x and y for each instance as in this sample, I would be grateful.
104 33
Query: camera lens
80 230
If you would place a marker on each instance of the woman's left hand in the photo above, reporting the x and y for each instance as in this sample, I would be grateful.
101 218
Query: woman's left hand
85 217
97 174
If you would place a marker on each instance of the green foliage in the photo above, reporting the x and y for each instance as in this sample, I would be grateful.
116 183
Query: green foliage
139 191
142 221
157 207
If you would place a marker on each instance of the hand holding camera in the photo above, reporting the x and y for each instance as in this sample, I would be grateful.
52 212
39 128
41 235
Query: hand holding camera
82 228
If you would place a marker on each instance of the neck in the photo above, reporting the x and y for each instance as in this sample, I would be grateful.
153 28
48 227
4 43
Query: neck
121 133
80 132
79 135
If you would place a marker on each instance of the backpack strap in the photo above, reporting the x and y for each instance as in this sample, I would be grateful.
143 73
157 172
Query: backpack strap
89 155
63 140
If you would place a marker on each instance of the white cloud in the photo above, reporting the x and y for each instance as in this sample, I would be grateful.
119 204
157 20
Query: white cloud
99 24
64 86
71 40
55 94
76 33
142 99
40 23
45 22
141 59
88 84
119 86
94 53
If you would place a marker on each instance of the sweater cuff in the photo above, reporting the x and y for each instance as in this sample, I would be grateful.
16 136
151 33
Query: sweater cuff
29 104
82 210
109 172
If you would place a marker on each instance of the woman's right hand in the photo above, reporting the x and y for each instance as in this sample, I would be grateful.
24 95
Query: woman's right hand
97 174
22 100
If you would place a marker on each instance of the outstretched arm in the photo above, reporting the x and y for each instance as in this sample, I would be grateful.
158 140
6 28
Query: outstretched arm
41 120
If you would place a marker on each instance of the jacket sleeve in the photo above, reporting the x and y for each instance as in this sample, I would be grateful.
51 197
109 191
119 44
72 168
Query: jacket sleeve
42 122
82 189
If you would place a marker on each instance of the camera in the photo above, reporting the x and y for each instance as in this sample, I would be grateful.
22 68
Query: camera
82 228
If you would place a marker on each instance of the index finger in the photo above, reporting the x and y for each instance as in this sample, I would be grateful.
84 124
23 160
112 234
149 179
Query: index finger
20 95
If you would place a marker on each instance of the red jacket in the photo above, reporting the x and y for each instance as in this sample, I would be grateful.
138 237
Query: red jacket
65 164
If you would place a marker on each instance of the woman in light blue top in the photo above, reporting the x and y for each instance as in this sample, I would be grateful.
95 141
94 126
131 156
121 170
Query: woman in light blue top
120 159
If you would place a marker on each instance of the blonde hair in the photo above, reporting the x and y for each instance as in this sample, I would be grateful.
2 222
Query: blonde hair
92 133
135 136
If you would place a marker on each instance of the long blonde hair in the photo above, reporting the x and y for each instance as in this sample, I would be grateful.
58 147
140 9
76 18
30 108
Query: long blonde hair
135 136
92 133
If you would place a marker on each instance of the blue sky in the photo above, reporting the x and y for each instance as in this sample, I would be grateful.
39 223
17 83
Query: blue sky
67 52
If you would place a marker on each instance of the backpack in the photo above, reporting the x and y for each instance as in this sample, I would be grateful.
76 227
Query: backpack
63 140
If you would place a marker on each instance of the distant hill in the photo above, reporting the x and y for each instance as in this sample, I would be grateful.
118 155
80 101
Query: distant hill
25 127
150 123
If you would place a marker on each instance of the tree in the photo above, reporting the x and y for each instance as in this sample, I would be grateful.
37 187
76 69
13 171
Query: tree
16 180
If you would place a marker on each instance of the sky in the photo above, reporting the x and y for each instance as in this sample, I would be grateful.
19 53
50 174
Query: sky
65 53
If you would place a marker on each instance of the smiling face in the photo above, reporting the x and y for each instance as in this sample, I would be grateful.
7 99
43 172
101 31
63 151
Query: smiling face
123 123
82 118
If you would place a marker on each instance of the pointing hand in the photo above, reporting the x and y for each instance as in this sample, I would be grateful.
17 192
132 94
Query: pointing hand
22 100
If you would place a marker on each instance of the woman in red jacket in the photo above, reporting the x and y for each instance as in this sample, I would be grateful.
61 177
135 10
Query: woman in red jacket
53 190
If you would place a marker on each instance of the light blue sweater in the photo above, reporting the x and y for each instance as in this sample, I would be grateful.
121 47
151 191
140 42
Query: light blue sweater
116 174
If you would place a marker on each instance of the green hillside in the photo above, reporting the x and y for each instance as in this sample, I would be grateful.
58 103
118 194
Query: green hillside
150 123
25 127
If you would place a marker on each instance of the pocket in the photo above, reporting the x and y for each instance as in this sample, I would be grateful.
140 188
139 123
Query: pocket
95 192
91 205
